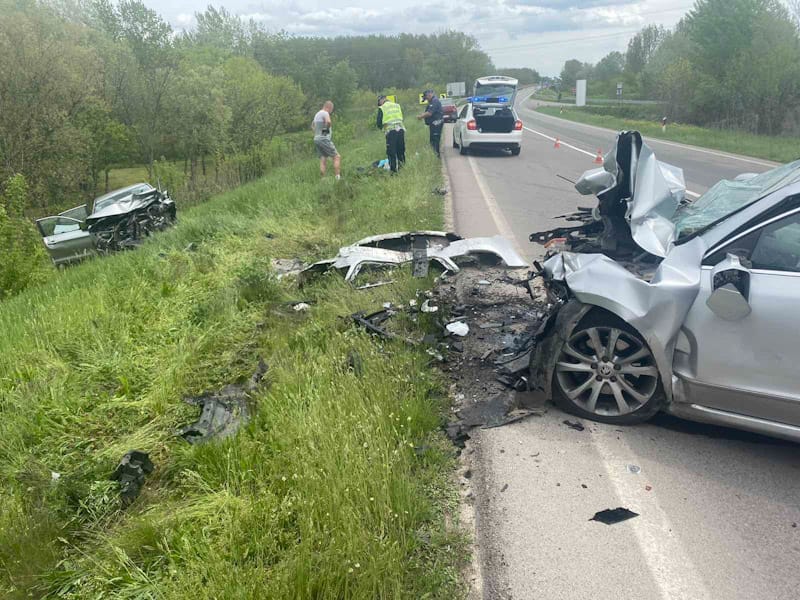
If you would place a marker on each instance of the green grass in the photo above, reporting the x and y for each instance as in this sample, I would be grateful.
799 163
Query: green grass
781 149
340 486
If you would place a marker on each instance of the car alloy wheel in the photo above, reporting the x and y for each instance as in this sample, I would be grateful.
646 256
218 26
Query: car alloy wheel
608 372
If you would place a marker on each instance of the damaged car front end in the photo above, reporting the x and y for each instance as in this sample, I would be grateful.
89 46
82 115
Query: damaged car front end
661 304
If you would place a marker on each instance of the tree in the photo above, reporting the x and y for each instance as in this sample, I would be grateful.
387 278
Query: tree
343 84
642 46
574 70
610 66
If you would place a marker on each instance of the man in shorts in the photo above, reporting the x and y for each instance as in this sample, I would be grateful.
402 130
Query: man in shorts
322 140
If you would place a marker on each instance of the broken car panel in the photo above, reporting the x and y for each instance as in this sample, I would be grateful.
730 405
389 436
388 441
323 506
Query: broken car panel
701 323
399 248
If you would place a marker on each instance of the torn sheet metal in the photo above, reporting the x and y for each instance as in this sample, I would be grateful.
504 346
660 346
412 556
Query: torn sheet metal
395 249
130 473
644 191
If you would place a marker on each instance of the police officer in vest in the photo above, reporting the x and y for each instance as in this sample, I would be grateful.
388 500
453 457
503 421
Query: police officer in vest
390 119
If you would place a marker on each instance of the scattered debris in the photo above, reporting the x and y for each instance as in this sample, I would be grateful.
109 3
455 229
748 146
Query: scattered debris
369 286
427 307
484 282
301 306
269 236
584 486
287 267
439 191
372 324
54 476
635 469
458 328
577 426
613 516
130 473
191 247
504 488
648 488
224 412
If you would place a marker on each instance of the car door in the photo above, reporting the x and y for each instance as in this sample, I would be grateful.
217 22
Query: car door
64 238
744 361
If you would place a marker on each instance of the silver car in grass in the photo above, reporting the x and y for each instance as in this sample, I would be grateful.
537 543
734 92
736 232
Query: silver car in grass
686 307
114 221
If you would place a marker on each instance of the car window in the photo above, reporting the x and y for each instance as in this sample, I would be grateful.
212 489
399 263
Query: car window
778 246
55 225
463 114
774 247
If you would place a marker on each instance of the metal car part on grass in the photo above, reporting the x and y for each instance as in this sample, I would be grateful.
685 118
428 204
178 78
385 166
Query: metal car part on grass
395 249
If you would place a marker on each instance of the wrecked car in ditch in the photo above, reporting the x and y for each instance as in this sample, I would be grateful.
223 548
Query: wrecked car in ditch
115 221
663 304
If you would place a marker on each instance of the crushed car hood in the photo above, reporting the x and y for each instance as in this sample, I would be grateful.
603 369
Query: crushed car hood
647 191
125 205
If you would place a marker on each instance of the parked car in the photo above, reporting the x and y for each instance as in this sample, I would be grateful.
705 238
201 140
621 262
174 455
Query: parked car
450 110
117 220
488 126
663 304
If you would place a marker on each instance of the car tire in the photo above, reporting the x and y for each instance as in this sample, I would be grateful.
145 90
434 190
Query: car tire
455 145
620 388
464 150
516 151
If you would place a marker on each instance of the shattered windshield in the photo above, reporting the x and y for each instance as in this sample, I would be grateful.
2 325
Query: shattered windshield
102 202
727 197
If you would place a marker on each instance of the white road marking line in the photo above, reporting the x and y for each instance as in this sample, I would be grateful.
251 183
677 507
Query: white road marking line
673 571
754 161
586 152
500 222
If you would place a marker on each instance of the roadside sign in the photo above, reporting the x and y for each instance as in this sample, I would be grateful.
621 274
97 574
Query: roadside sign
619 89
456 89
580 92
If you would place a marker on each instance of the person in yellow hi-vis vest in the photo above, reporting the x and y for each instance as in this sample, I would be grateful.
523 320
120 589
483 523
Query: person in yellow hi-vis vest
390 119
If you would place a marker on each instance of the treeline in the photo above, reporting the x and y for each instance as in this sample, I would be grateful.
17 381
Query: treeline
88 85
731 64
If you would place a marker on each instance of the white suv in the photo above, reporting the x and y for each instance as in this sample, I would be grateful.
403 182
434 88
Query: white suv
488 120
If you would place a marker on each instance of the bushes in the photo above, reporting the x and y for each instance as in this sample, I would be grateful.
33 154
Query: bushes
22 258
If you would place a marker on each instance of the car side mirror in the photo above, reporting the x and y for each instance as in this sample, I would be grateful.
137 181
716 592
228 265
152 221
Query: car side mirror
730 282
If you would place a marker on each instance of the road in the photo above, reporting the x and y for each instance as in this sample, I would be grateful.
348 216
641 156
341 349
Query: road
719 509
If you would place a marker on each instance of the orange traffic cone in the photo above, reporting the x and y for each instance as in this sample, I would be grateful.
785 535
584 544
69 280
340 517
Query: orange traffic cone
598 160
557 144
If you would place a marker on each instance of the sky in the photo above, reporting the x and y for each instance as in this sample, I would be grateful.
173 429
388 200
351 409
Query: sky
541 34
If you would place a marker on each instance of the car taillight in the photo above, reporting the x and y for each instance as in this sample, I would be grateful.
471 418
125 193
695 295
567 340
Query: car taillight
518 125
472 125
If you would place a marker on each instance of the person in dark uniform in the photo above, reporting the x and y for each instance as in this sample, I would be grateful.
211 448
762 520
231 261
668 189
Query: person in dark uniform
434 119
390 119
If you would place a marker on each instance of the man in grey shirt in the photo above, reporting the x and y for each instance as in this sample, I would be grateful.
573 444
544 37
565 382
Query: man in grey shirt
322 140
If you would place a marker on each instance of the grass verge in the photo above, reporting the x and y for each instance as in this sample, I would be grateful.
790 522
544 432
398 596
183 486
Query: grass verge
339 485
779 149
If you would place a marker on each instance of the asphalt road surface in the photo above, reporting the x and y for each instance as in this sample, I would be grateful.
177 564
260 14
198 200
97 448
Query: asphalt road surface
719 510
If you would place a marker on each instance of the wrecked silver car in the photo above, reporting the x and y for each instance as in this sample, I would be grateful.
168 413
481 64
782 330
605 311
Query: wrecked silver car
115 221
662 304
416 247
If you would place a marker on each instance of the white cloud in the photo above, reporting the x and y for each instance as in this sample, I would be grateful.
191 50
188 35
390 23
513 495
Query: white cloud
536 33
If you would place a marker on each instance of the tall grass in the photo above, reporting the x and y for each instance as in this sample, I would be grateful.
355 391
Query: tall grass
339 485
778 148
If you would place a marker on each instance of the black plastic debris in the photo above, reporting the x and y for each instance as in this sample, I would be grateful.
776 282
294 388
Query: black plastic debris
457 434
372 323
131 472
577 426
222 413
612 516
